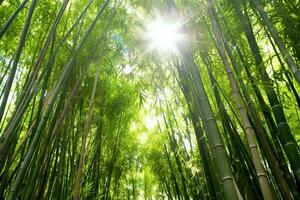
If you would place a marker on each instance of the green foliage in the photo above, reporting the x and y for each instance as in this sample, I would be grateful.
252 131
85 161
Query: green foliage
92 113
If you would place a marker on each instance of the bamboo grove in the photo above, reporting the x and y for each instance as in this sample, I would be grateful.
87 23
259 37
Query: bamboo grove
88 111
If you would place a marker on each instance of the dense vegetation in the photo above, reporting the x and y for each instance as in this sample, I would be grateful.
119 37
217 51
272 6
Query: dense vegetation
91 108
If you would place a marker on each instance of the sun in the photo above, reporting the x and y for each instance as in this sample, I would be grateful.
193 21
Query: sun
164 35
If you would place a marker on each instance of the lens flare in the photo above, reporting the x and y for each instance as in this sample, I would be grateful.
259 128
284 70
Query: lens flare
164 35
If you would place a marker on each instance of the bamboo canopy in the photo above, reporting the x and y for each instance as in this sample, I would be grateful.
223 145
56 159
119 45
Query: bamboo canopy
125 99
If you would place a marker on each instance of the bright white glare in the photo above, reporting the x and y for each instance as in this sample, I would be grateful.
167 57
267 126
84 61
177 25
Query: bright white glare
143 138
127 69
150 122
164 35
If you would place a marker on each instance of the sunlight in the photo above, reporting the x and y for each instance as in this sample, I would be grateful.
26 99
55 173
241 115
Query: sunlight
150 122
127 69
164 35
143 138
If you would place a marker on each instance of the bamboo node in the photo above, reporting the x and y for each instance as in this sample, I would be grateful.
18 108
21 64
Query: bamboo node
281 123
218 145
277 105
208 119
252 146
261 174
226 177
288 143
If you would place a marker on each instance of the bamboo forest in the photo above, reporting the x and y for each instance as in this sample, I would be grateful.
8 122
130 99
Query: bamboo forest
150 99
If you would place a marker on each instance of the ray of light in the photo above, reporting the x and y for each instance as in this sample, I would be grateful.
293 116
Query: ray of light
164 35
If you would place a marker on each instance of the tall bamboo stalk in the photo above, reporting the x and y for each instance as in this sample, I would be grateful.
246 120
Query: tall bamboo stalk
260 171
285 53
